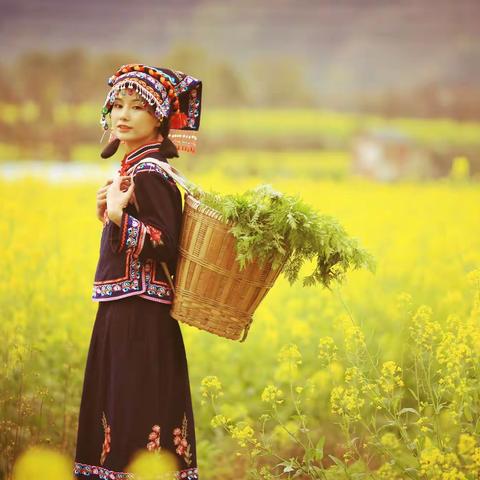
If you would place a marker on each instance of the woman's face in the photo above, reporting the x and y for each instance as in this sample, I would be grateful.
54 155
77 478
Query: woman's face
131 110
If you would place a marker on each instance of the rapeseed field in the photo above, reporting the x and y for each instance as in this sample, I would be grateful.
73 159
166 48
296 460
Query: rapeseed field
378 378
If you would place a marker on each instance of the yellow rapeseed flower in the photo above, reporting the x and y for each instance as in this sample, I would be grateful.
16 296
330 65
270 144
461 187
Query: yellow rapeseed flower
424 332
466 444
290 354
243 435
327 351
390 441
272 394
391 377
436 465
346 402
211 387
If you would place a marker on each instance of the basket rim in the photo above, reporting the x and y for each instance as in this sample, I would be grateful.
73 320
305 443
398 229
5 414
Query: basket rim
216 215
198 205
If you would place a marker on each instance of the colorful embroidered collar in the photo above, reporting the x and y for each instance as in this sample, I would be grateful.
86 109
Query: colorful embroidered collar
138 153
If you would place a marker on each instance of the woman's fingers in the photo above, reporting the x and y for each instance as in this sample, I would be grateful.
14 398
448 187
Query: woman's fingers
129 190
125 183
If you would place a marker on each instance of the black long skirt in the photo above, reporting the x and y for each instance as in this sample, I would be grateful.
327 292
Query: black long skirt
136 392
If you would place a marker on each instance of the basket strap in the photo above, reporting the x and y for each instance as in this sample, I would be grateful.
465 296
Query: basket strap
169 277
172 171
176 175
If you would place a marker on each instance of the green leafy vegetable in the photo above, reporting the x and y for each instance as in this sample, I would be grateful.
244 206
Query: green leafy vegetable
270 226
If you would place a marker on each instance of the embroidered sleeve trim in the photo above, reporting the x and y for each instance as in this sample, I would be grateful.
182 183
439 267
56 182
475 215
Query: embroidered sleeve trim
132 234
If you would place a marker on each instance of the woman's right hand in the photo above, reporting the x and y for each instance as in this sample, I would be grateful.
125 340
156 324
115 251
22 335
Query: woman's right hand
102 199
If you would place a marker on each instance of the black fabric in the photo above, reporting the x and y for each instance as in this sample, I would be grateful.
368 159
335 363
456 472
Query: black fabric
160 205
137 375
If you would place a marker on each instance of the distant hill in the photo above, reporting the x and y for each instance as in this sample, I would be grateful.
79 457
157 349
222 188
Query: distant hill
345 46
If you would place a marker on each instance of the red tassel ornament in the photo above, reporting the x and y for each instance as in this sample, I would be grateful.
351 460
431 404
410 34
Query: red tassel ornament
178 120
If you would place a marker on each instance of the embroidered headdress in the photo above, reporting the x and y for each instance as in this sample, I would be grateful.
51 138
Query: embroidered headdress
174 96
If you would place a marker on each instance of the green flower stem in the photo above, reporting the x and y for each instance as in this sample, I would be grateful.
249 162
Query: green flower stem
389 453
227 430
287 430
356 325
300 416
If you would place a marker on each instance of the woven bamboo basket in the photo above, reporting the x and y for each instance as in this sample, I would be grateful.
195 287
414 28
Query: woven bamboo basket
212 293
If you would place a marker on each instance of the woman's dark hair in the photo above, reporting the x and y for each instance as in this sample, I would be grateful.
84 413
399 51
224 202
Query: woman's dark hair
169 150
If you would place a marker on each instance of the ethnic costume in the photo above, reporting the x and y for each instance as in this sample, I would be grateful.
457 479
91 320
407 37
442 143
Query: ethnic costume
136 392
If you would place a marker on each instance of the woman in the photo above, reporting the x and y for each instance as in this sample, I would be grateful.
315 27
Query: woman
136 393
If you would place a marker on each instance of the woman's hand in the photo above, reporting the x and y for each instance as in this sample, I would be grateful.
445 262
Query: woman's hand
117 199
102 199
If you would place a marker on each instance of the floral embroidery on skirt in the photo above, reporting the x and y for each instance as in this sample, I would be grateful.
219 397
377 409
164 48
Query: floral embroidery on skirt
106 441
154 444
138 419
180 440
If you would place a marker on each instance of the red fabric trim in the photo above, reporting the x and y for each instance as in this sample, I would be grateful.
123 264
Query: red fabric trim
125 166
123 232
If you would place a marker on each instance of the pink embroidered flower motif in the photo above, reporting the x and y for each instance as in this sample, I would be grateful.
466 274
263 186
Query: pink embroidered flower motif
180 441
154 444
155 235
106 441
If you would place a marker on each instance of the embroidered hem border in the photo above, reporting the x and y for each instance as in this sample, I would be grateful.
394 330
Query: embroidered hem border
140 282
105 474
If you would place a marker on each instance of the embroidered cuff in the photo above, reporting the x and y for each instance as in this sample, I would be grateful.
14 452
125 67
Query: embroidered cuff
132 234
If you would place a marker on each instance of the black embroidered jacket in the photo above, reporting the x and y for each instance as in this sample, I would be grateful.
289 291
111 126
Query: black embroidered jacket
130 255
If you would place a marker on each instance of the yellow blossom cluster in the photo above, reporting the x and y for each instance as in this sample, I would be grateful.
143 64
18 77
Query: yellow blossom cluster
437 465
390 440
469 451
391 377
353 337
346 402
219 420
289 358
211 387
327 351
272 394
243 435
424 331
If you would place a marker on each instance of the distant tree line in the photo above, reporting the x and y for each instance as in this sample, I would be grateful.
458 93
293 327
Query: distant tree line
74 76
